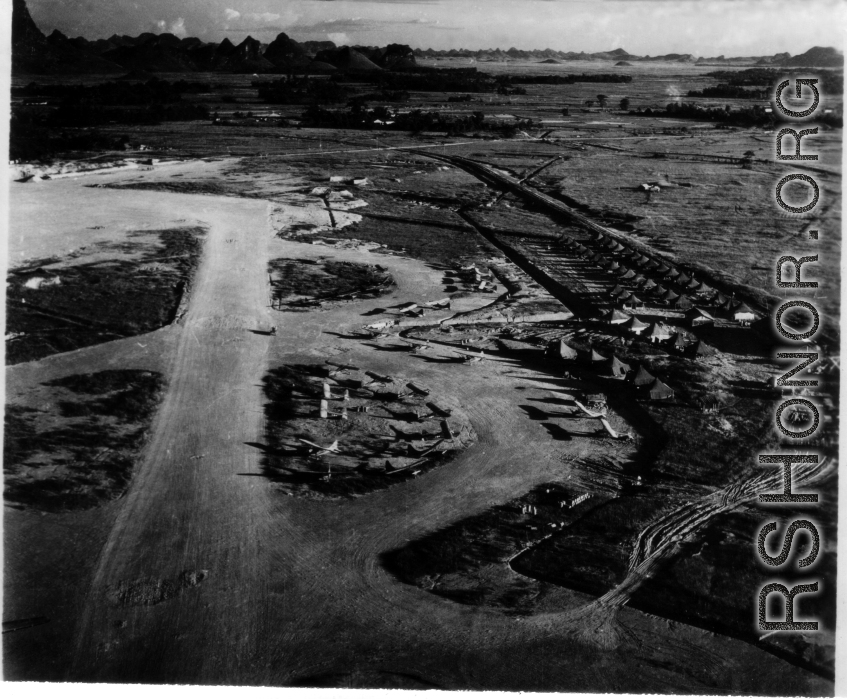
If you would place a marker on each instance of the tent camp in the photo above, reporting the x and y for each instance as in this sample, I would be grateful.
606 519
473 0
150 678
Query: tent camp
659 391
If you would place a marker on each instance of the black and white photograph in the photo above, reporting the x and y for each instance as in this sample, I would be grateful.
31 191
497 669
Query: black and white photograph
460 345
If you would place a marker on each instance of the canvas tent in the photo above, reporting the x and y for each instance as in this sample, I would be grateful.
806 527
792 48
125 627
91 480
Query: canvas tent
701 349
697 316
616 368
615 317
641 377
634 325
559 349
659 391
591 356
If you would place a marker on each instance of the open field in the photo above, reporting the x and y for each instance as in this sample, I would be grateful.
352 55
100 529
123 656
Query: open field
495 516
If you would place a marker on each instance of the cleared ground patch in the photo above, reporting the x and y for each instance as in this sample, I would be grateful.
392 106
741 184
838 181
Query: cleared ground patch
384 431
58 307
303 283
72 443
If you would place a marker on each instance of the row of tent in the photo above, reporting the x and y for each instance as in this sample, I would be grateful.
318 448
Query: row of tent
559 349
640 377
658 293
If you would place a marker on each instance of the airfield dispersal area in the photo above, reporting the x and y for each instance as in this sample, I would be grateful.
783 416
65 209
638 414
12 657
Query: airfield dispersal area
339 407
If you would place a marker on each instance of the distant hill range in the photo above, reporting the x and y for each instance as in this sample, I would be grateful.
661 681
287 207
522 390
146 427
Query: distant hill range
817 57
33 53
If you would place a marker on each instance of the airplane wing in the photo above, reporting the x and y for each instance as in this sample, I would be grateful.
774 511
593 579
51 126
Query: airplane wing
589 413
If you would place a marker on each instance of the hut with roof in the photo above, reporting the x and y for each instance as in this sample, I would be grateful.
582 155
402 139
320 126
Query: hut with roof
658 390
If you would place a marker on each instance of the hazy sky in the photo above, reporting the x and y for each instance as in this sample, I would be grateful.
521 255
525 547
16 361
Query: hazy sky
701 27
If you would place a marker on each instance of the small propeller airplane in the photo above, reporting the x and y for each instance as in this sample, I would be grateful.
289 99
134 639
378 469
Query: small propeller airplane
317 451
338 366
416 346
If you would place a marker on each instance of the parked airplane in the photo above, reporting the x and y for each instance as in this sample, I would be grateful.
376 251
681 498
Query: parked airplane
317 450
471 357
381 378
342 367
